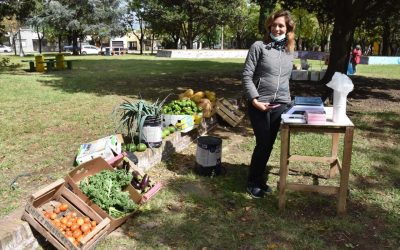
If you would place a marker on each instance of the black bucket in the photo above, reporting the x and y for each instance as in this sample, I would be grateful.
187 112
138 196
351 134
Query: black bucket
152 132
208 156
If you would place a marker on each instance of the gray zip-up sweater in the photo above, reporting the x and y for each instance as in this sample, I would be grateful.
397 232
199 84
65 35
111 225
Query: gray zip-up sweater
266 74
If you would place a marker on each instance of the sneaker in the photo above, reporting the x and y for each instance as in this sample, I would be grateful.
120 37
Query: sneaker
255 192
266 189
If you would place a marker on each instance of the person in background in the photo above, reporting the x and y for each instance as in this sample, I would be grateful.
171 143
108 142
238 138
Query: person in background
265 80
356 57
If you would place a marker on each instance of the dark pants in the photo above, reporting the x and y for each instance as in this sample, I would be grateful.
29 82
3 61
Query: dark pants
265 126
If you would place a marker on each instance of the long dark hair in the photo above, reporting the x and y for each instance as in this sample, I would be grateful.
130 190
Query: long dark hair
290 26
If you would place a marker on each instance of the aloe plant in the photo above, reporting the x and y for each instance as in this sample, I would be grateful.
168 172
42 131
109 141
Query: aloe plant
133 115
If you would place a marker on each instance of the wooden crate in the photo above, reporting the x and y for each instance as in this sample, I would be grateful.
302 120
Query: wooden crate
93 167
116 162
49 197
229 112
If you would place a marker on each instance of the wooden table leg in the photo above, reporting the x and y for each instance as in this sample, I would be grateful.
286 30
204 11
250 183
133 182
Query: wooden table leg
334 152
283 172
344 175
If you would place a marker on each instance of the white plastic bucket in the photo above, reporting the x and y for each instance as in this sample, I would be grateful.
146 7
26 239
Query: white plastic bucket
208 155
339 106
152 132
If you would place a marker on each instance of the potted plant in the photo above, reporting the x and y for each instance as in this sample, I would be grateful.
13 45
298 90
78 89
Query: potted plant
143 119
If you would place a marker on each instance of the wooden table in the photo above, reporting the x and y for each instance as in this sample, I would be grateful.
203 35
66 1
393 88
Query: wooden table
346 127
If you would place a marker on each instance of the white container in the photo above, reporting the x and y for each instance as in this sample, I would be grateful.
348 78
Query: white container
299 75
152 131
339 106
314 76
208 155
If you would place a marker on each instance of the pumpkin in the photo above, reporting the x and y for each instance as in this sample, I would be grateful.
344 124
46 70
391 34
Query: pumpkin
188 93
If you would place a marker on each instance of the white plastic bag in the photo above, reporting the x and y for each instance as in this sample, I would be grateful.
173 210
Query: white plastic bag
342 86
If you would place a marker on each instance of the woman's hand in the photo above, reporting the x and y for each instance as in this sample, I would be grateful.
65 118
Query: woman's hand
262 106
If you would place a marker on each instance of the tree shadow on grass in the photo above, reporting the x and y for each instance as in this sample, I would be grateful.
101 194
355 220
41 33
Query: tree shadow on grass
376 123
150 79
195 212
364 88
377 88
385 169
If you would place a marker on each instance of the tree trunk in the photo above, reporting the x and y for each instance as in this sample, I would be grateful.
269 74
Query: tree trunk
176 42
266 7
152 43
59 44
238 41
189 38
21 51
341 39
75 44
141 35
14 43
385 39
40 40
141 43
323 43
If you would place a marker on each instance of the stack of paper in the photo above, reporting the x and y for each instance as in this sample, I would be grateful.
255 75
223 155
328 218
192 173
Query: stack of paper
315 117
306 110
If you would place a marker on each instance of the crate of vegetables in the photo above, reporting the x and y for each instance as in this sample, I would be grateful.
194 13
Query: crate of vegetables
144 185
105 189
180 114
64 219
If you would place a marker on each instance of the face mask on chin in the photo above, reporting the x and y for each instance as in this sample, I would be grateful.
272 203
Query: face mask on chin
277 38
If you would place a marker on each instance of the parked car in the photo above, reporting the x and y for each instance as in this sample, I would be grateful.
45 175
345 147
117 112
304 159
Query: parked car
89 50
4 48
85 49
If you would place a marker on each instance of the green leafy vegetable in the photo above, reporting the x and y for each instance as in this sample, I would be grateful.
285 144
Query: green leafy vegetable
105 189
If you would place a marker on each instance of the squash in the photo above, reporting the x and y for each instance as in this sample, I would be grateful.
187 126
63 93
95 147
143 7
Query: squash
188 93
210 95
183 97
206 107
199 93
197 96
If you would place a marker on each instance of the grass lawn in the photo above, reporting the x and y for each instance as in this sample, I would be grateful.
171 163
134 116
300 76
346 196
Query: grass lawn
45 117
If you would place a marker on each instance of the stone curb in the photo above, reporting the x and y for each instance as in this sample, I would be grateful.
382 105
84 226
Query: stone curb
15 233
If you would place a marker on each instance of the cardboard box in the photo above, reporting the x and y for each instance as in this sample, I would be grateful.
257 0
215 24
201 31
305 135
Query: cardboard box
93 167
48 198
106 148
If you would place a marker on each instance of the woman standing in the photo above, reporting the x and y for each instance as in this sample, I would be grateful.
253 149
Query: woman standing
355 58
265 80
